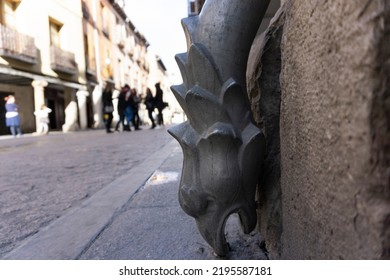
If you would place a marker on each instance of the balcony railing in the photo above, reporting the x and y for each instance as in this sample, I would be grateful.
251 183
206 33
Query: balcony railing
17 46
62 61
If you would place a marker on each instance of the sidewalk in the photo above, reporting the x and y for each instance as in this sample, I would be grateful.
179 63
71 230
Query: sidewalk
137 220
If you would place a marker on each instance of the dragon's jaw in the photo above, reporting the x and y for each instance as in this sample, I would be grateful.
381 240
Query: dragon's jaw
212 223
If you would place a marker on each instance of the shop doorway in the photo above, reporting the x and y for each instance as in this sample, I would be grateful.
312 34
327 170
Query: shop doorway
55 101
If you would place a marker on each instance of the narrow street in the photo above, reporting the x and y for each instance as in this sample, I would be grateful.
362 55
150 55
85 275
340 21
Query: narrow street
44 177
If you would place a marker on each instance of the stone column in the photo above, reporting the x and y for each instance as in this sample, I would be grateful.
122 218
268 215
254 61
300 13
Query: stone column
71 111
39 96
97 107
82 103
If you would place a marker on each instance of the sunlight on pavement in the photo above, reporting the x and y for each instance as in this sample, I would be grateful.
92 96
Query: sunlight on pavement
160 177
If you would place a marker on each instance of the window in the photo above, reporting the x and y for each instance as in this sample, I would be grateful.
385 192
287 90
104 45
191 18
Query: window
107 68
104 20
89 54
8 9
55 29
85 9
195 6
86 49
120 33
192 10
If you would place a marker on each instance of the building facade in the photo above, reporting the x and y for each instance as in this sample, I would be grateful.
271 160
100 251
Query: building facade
42 60
63 53
115 52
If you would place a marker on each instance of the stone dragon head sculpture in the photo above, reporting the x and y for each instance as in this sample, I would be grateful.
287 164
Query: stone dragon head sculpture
222 146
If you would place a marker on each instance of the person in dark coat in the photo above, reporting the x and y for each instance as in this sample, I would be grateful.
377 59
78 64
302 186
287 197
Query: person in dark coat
12 119
149 103
159 104
121 108
108 107
136 100
129 108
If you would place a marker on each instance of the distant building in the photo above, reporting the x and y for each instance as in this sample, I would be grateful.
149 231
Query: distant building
63 53
194 7
114 52
42 60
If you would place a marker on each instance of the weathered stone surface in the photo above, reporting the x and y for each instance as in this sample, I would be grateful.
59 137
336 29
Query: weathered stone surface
333 197
263 84
335 136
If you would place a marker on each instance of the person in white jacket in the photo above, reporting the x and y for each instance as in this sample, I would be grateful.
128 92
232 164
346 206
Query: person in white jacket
43 118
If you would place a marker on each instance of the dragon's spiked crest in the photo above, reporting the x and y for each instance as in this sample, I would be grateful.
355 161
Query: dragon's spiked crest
222 146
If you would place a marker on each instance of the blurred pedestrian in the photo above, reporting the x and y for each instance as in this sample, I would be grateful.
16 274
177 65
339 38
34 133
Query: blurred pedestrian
129 108
108 107
159 104
149 103
12 119
136 102
121 109
125 109
43 119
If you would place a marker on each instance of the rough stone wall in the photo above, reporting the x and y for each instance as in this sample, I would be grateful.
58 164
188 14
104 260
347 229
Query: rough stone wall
333 195
264 91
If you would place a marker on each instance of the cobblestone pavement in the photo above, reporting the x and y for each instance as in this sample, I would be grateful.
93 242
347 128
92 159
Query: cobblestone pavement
44 177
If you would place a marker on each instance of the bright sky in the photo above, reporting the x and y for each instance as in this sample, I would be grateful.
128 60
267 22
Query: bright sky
159 22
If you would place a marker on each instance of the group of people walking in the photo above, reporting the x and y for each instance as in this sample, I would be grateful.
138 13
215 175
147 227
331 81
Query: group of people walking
128 107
